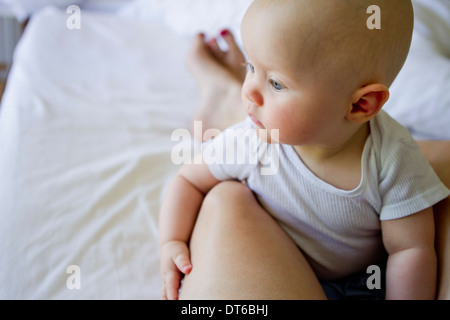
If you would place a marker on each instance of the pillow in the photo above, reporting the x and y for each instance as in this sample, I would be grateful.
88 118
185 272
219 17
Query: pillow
22 9
420 96
105 5
191 17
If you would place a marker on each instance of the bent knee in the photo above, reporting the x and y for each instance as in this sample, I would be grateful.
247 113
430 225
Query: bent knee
229 200
229 193
225 208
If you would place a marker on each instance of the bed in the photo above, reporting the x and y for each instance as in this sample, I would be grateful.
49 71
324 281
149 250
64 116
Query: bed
85 138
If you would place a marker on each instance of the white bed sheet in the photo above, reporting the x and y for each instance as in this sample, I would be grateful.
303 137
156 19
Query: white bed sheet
85 148
85 127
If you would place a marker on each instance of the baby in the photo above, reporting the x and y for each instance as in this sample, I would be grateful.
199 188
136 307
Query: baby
351 184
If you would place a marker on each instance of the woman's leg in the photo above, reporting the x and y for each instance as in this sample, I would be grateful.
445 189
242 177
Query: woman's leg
239 252
442 220
438 154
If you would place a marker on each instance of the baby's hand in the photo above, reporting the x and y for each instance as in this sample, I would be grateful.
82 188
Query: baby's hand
174 261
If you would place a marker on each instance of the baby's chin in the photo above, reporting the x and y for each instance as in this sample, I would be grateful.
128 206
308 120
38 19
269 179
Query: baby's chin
270 136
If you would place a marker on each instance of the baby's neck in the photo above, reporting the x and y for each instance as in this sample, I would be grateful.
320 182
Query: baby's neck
338 165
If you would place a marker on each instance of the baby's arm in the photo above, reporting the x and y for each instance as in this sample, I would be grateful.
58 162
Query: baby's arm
412 264
177 218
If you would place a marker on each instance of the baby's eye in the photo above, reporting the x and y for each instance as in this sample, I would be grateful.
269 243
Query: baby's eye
276 85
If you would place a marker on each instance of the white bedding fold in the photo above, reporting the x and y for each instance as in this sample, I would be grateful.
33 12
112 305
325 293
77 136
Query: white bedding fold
85 148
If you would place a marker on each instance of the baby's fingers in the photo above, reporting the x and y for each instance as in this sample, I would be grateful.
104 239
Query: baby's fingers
181 259
171 284
174 261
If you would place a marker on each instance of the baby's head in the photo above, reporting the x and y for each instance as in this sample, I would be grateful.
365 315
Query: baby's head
327 46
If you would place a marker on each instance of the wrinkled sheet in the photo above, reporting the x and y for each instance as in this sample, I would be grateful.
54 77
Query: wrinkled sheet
85 151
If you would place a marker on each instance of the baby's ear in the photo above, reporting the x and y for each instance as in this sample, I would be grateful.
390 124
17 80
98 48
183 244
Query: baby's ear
367 101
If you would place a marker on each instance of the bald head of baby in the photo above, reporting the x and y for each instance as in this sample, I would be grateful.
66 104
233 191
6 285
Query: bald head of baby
331 40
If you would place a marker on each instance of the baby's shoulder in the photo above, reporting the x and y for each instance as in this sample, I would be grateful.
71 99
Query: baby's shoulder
390 139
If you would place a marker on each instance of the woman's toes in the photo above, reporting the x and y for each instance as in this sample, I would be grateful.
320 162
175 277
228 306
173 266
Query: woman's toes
216 50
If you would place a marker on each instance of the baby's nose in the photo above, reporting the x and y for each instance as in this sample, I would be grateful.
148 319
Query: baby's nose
253 95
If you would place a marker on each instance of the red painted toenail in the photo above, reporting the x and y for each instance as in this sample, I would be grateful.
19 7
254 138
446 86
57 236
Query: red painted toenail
224 32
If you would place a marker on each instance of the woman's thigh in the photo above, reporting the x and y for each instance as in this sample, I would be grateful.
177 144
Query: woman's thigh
239 252
442 220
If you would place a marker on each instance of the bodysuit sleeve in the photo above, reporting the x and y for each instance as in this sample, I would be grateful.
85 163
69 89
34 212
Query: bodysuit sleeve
232 155
407 182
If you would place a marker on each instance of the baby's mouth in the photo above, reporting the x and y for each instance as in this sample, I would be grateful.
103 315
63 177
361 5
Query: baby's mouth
255 121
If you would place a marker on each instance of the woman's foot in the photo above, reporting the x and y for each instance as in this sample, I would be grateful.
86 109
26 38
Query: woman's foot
220 75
